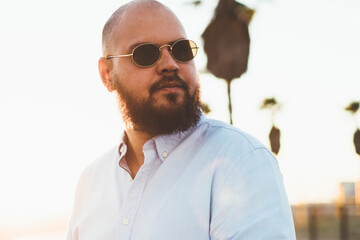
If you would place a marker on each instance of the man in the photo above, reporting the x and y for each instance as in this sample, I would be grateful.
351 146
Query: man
175 174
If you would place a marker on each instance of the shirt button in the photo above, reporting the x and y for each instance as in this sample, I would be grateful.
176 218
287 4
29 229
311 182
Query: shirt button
125 221
164 154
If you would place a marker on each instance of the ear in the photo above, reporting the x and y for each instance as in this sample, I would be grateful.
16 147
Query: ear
105 67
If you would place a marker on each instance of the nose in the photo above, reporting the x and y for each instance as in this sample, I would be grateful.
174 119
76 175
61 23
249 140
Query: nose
166 64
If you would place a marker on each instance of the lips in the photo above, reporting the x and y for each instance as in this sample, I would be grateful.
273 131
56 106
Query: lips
170 85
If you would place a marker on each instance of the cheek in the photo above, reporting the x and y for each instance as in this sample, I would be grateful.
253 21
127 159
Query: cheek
192 77
134 79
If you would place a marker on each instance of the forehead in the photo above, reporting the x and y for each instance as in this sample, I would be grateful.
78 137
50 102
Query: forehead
147 24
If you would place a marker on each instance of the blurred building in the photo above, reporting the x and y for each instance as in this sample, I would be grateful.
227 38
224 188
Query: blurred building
350 196
347 193
357 193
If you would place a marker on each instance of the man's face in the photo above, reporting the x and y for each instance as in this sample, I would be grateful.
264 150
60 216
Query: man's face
163 98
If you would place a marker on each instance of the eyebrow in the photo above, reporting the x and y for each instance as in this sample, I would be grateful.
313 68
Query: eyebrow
132 46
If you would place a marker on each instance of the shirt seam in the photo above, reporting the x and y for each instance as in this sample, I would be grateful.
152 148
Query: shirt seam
236 164
210 124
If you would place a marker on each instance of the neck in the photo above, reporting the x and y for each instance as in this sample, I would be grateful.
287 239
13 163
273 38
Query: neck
134 154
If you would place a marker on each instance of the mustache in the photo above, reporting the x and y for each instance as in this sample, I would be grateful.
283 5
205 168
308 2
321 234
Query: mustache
169 81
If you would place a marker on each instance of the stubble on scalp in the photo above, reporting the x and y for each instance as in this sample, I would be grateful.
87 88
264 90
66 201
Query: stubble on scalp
110 27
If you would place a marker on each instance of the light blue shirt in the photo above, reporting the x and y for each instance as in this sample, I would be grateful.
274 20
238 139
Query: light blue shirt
211 182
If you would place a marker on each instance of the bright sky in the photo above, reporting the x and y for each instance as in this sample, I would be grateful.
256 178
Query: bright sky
56 117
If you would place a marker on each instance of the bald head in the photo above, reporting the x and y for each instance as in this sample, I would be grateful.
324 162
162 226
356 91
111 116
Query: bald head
113 24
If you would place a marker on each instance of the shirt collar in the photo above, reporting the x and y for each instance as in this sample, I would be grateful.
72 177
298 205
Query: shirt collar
164 144
121 152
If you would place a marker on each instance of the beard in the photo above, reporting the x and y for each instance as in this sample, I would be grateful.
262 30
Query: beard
174 117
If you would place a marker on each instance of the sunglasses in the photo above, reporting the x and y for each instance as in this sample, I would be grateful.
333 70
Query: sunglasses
147 54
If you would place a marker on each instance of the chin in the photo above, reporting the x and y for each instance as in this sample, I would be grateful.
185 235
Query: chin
169 100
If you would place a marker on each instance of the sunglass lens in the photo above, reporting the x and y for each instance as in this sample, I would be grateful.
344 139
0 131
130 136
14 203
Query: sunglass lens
184 50
146 55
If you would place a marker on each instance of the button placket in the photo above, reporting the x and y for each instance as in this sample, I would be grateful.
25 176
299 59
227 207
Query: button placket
134 198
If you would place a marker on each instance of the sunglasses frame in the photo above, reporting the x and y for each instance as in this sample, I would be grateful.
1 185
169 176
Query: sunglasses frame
170 46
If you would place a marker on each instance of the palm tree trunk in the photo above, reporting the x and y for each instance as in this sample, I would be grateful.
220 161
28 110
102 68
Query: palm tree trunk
229 97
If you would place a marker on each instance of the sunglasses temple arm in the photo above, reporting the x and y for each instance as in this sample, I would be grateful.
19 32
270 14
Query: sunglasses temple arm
120 56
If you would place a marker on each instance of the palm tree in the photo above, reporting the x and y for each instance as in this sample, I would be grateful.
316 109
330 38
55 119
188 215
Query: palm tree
274 135
226 42
353 107
205 107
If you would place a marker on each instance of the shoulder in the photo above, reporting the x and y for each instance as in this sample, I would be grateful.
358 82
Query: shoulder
233 150
100 166
94 176
226 135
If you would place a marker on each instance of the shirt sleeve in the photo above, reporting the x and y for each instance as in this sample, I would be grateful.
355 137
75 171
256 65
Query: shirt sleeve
249 200
81 189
